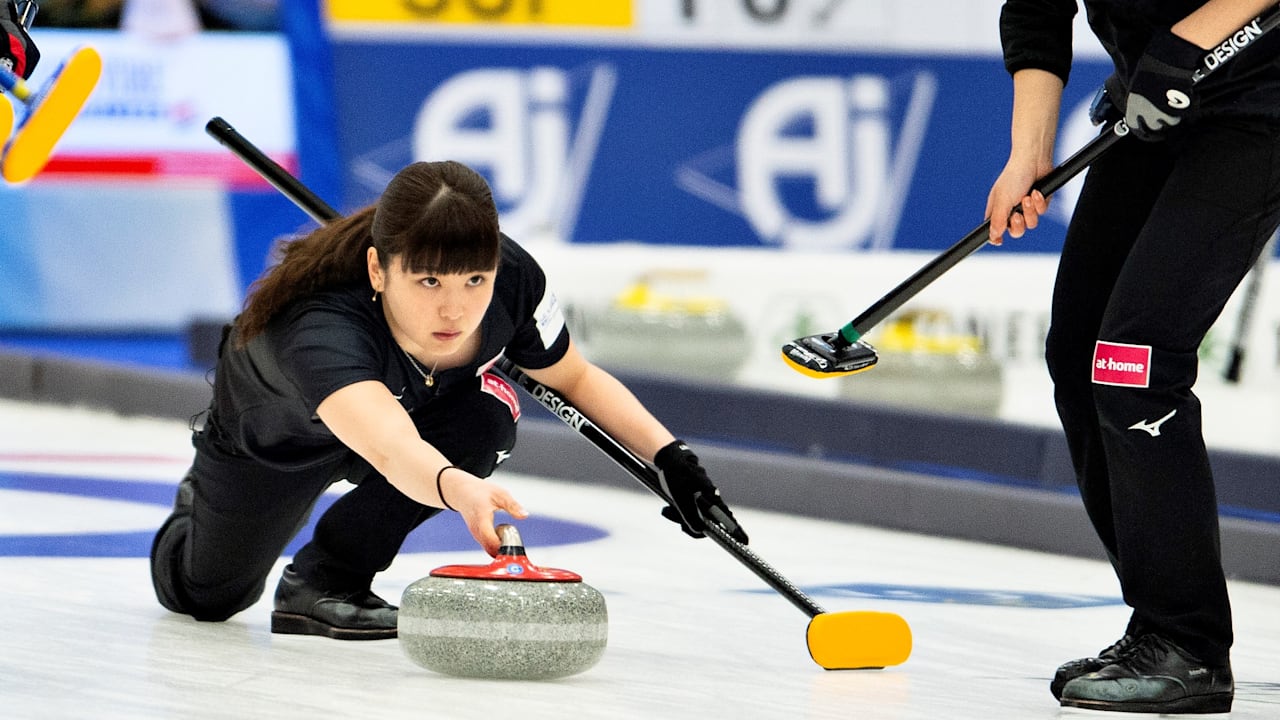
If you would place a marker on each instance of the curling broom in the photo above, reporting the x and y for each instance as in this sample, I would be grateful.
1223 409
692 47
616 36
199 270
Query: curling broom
49 112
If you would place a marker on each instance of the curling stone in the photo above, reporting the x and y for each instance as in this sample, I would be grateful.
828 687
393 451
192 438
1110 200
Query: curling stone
506 620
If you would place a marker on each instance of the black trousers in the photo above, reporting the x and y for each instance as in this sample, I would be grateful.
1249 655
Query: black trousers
211 559
1162 235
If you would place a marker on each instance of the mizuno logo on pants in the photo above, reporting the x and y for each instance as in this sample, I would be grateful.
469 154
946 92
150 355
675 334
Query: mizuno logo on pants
1152 427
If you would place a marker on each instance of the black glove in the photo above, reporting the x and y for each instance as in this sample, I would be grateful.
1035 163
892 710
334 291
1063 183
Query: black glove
1161 92
693 497
17 51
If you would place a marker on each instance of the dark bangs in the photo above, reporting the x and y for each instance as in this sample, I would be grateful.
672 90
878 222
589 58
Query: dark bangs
437 218
452 235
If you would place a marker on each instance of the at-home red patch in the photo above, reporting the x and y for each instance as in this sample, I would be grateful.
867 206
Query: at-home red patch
1121 364
501 389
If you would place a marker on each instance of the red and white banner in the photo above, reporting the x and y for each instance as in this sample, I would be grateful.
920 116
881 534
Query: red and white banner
146 117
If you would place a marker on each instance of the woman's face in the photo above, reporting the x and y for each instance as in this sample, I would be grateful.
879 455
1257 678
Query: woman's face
431 315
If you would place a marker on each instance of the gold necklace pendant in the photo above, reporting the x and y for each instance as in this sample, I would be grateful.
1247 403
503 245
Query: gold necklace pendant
428 379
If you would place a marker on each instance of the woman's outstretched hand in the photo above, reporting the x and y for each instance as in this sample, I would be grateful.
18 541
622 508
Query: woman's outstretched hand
477 500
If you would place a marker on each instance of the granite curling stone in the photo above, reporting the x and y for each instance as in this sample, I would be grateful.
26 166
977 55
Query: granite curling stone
506 620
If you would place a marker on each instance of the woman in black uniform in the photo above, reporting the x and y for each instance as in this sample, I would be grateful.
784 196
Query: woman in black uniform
1165 228
365 354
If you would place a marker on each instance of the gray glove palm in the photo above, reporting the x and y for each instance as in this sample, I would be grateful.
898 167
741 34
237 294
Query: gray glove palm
1161 91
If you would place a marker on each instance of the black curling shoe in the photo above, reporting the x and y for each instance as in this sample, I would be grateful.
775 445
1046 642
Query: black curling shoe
305 610
1071 670
1153 676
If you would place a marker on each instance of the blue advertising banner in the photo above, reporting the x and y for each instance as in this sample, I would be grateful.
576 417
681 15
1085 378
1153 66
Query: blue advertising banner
823 150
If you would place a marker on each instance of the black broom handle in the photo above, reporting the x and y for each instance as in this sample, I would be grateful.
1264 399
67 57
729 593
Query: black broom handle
270 170
1049 184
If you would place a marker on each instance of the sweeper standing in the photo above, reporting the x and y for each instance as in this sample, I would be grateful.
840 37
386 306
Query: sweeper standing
1164 230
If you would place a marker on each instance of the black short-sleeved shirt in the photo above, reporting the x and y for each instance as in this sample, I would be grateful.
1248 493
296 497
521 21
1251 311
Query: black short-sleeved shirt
1037 34
266 394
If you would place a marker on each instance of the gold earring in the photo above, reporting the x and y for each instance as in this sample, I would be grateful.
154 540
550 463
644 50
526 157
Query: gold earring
375 296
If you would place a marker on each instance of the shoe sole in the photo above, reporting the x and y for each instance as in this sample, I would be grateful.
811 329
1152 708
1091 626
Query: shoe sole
283 623
1197 705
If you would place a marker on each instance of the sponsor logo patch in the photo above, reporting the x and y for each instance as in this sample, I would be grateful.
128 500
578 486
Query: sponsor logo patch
1152 428
502 390
1121 364
550 319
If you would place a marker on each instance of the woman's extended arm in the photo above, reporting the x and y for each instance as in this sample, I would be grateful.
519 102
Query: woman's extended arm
366 418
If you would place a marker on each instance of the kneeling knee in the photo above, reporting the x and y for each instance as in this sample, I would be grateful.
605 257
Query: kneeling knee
217 606
214 613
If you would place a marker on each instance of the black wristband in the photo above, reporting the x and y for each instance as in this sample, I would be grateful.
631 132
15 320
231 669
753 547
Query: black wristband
441 492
